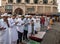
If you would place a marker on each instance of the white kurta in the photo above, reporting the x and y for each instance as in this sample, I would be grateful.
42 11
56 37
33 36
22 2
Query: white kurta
4 37
38 24
48 18
20 26
35 24
29 26
13 29
46 21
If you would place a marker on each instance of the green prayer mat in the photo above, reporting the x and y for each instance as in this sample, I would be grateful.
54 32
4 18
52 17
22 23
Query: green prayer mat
34 42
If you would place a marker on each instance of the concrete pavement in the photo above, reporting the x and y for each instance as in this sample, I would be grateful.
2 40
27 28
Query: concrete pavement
52 36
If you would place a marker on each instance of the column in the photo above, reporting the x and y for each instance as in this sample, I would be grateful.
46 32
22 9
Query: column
36 9
24 11
44 9
6 1
50 1
55 1
40 1
51 9
14 1
31 1
22 1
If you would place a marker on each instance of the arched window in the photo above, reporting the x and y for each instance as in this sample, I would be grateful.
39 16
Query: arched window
10 1
35 1
18 11
45 1
27 1
18 1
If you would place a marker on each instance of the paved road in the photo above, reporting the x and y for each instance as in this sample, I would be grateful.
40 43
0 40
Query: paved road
56 26
52 36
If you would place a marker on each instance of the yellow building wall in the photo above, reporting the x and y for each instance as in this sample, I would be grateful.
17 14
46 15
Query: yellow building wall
39 8
2 9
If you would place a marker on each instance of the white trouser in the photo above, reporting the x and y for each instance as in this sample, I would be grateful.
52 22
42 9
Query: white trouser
2 42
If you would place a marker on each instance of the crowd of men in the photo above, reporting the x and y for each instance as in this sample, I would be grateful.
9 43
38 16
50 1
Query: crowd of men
15 29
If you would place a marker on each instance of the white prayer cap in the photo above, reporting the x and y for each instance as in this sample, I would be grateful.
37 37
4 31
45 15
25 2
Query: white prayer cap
26 15
37 16
30 15
9 14
19 15
5 14
40 16
43 16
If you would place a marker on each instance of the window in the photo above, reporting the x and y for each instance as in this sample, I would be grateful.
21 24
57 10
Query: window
45 1
18 1
10 1
8 7
27 1
32 9
54 2
35 1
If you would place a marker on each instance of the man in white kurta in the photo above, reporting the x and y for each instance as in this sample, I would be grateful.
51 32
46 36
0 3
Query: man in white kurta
46 21
29 26
20 29
3 33
38 23
25 28
30 31
13 29
35 24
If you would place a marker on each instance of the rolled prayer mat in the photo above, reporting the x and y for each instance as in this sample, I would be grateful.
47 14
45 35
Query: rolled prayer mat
37 37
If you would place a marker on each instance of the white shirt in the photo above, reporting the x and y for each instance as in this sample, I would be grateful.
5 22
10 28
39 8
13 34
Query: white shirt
20 26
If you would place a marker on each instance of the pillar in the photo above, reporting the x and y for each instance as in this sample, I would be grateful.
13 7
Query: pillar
44 9
36 9
51 9
31 1
22 1
14 1
6 1
40 1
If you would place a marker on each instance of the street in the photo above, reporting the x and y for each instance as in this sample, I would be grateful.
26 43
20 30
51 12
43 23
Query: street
52 36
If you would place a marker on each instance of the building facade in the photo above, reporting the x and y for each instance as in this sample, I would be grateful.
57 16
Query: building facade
23 7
